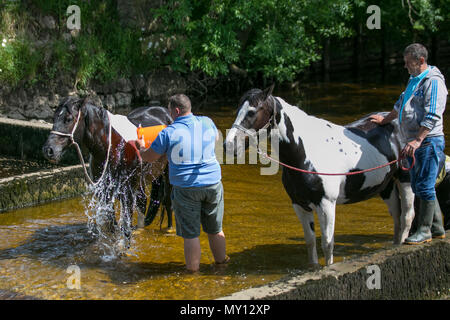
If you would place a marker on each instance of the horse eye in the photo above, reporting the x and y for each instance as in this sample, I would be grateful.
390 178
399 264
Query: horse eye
251 113
68 119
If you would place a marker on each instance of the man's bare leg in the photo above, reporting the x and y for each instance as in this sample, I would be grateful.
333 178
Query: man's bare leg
192 254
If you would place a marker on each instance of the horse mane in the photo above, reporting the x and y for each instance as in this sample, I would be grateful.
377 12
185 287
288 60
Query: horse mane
252 96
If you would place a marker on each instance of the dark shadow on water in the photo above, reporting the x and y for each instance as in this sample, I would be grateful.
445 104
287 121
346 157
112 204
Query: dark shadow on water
55 244
64 245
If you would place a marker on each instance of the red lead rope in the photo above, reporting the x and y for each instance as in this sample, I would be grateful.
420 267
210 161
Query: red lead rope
341 174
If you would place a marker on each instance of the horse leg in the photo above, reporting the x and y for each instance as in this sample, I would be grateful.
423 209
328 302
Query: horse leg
155 202
326 212
126 213
407 212
307 220
168 199
141 203
391 197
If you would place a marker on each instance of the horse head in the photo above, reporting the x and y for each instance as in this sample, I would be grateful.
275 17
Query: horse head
255 112
68 126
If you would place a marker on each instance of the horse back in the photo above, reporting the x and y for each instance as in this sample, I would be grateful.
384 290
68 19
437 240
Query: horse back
150 116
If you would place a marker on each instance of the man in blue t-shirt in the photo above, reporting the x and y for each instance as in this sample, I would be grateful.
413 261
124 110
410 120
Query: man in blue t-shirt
194 172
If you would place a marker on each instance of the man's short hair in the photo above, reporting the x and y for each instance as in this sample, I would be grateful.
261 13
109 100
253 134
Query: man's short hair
180 101
417 51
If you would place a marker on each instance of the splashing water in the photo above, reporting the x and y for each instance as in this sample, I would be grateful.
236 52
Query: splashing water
101 201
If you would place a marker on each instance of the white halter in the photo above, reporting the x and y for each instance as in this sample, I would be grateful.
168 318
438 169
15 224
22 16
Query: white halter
70 135
253 133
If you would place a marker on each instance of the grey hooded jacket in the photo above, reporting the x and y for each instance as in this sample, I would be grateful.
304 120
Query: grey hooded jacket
424 107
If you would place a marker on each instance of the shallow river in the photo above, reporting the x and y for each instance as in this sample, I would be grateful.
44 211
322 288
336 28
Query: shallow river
264 237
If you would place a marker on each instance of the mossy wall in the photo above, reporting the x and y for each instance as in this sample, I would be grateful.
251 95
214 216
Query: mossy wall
41 187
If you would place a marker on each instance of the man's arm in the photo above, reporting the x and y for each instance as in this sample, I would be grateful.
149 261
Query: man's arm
379 119
147 155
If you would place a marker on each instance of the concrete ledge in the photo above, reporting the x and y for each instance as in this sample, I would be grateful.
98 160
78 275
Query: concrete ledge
24 140
41 187
407 272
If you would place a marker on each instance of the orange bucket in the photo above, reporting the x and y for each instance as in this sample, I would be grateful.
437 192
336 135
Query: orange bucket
149 133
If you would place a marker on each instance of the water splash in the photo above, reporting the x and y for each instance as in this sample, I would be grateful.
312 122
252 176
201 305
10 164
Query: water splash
102 201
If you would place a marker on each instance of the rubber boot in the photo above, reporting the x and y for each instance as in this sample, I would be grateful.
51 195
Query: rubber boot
413 228
424 220
437 228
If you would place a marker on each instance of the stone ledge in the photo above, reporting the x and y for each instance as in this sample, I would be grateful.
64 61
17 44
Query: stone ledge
24 123
407 272
41 187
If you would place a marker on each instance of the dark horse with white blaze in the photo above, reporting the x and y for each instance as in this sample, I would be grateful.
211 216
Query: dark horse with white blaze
115 164
317 145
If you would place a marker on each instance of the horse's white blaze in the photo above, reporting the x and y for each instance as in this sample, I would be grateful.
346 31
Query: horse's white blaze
233 132
333 149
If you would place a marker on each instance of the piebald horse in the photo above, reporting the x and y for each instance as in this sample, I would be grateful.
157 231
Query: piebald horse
115 165
317 145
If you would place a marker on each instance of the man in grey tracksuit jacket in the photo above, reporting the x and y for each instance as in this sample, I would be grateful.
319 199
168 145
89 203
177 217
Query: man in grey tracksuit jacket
420 110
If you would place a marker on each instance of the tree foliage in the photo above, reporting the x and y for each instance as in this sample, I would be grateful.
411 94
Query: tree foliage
262 39
277 39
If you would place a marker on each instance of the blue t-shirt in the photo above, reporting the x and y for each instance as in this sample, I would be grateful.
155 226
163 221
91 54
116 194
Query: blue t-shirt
189 143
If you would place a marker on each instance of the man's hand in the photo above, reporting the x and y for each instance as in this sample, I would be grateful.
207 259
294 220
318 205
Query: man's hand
411 147
140 144
376 118
379 119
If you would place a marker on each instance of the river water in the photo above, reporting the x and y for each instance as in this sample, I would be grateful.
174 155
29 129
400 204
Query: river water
264 237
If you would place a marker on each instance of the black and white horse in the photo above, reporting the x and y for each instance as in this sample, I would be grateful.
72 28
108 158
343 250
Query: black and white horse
314 144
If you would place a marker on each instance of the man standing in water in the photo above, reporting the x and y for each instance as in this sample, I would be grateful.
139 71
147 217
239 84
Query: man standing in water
419 110
194 172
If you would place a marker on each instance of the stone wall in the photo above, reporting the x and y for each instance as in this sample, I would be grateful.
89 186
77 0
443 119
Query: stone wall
41 187
406 272
24 140
39 101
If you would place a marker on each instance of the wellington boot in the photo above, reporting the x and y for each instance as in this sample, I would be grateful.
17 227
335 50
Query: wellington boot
437 228
424 220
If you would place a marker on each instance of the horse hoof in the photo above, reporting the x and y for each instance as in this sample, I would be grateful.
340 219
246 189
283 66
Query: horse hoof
169 230
137 231
314 266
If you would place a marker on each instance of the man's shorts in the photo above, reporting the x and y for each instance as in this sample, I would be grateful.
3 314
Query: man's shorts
198 205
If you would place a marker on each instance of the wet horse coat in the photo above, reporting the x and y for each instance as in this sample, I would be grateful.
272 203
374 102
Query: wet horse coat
314 144
91 130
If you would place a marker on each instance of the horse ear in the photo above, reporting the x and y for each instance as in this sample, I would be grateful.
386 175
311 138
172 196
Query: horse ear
268 91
